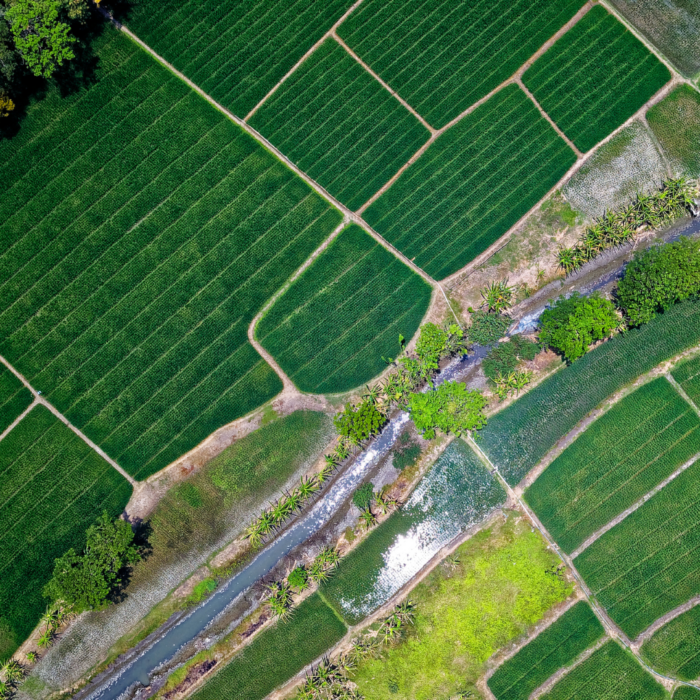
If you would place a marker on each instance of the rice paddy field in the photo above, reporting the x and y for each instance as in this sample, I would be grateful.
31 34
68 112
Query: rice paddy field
687 374
52 488
14 398
623 455
442 57
340 125
332 328
555 647
674 650
517 437
594 78
472 184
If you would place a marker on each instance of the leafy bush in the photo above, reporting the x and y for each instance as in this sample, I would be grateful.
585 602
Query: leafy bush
357 424
450 408
487 328
504 358
298 578
364 496
431 344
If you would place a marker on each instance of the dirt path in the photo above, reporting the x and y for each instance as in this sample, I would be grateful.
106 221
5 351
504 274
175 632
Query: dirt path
658 624
17 420
682 393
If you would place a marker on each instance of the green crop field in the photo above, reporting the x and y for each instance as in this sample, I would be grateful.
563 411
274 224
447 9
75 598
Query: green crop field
143 233
686 692
340 126
14 398
276 654
332 328
610 673
442 57
647 565
674 650
595 78
472 184
236 52
52 487
516 438
628 451
555 647
687 374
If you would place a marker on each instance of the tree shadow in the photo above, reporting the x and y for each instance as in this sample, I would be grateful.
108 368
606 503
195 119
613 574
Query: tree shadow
142 536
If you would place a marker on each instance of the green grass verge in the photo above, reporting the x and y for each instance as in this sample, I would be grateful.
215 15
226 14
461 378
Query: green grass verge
277 654
555 647
332 328
595 78
472 184
340 126
687 374
443 56
52 487
633 447
143 232
14 397
519 436
647 565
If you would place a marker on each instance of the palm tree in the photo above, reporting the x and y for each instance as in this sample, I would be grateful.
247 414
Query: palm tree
498 296
368 518
405 611
308 487
45 640
12 671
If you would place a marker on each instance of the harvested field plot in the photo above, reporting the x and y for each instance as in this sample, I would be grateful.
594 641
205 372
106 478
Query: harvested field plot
519 436
632 448
594 78
610 673
647 565
340 126
143 234
554 648
277 654
52 487
687 374
675 649
14 397
331 328
442 57
235 51
472 184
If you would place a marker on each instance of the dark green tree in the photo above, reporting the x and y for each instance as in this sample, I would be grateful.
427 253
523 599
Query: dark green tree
364 496
359 423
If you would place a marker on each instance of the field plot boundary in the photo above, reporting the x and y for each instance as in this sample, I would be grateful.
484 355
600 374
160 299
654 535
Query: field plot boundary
665 619
682 393
18 420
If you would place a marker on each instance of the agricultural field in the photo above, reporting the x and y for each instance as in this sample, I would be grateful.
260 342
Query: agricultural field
140 245
472 184
555 647
623 455
331 330
52 488
687 374
14 398
235 53
276 654
610 673
442 57
517 437
686 692
340 126
647 565
674 650
595 78
455 494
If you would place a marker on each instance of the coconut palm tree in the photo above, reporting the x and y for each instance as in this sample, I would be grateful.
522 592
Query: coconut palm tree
368 518
498 296
308 487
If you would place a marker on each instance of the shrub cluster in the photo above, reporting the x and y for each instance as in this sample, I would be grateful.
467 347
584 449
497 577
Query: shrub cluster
488 328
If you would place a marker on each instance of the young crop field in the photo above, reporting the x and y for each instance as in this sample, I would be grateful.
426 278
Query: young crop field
457 493
633 447
686 692
647 565
520 435
276 654
144 231
472 184
610 673
442 57
555 647
687 374
14 398
675 649
594 78
332 328
235 52
340 126
52 488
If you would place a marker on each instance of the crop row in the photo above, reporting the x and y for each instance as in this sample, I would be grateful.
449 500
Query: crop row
638 443
687 375
14 397
472 184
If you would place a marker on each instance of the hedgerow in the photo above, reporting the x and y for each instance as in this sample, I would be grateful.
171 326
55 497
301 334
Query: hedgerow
674 650
14 397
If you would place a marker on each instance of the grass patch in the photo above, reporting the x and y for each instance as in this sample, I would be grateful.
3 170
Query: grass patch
14 397
594 78
472 184
687 374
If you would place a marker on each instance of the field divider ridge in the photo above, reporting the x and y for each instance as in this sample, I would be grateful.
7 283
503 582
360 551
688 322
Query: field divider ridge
665 619
17 420
682 393
39 399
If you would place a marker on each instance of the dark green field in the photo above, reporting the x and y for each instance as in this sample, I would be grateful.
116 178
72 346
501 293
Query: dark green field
14 397
443 56
472 184
687 374
595 78
144 231
330 330
686 692
675 649
339 125
628 451
52 487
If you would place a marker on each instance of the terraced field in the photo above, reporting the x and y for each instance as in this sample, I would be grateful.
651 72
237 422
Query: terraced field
14 398
674 650
594 78
331 329
472 184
